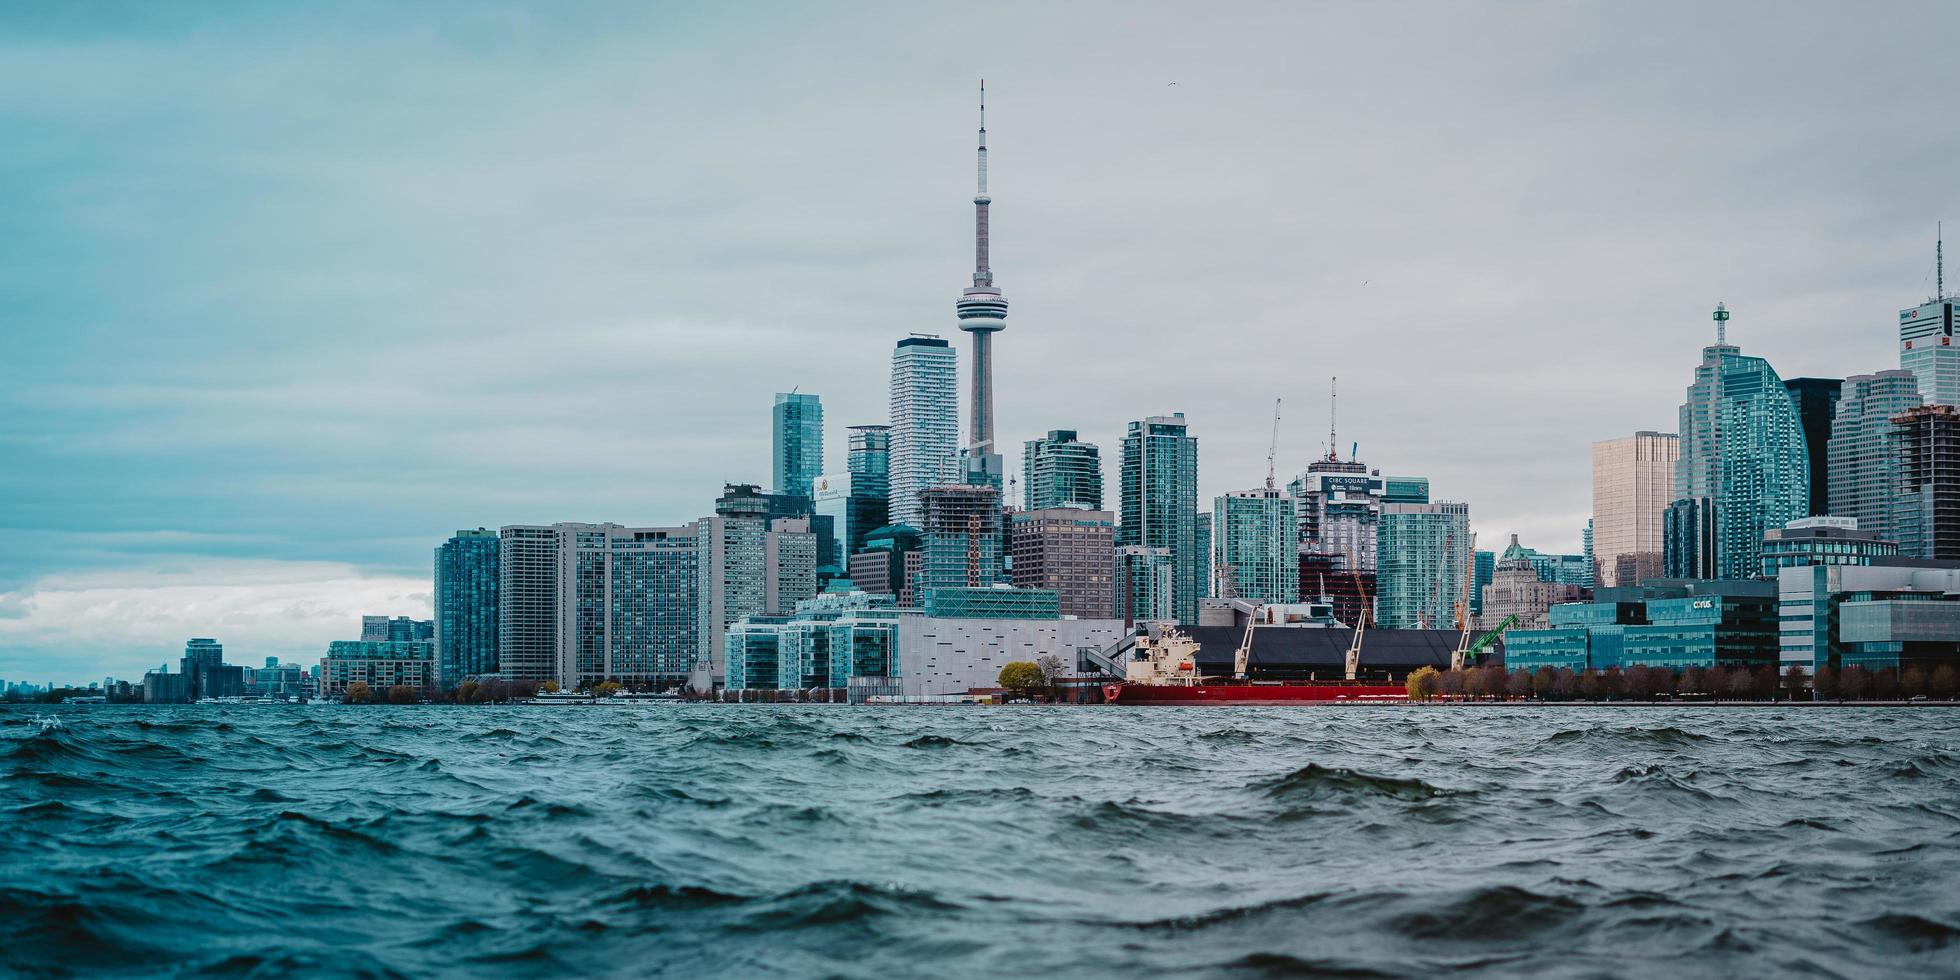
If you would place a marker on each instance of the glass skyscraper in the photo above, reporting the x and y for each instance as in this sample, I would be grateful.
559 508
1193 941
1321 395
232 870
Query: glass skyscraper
1160 502
796 429
1633 482
1058 471
925 422
870 459
1816 400
1421 558
1256 546
1743 456
1926 349
1863 478
466 606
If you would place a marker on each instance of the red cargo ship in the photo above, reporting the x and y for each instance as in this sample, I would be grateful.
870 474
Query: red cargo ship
1162 669
1225 692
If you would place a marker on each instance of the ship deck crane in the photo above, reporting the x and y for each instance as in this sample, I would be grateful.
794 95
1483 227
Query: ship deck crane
1360 622
1462 651
1242 657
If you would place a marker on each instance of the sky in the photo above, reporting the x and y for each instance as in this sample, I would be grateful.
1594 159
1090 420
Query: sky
289 293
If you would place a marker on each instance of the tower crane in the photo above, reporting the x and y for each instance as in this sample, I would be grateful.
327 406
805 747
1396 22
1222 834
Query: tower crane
1272 448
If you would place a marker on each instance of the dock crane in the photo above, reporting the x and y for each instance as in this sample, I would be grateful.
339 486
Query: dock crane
1242 657
1360 622
1462 651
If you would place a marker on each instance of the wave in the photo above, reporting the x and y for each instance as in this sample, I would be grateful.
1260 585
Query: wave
1316 782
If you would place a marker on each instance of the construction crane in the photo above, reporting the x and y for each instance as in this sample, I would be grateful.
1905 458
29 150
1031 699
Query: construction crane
1360 621
1463 606
1272 448
1483 641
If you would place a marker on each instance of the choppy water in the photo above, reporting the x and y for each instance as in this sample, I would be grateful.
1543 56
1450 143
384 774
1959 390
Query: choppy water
791 841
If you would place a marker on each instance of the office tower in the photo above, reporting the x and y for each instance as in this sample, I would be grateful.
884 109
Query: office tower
1201 547
1816 400
870 459
1592 564
1421 558
1926 342
1927 524
396 629
750 563
1160 502
1484 565
925 422
796 434
960 537
1744 466
1823 541
584 603
1146 584
1339 503
466 606
1632 484
1518 589
1405 490
1058 471
527 602
889 563
1863 477
982 312
1256 553
1069 551
849 511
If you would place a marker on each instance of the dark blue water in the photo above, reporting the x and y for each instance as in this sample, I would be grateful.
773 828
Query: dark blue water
796 841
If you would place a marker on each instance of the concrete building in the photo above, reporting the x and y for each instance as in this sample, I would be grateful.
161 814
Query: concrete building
1862 478
1256 552
1878 616
952 655
1519 588
584 603
1160 501
1057 470
1069 551
1927 523
1201 538
889 563
1633 482
982 313
527 602
1822 541
1926 349
925 422
1423 553
202 673
1816 401
750 564
380 665
1744 465
1339 505
1146 584
796 442
398 629
1351 592
466 605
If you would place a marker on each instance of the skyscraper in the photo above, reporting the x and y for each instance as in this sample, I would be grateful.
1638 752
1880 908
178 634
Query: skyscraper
796 432
1926 342
925 422
466 605
1928 522
1633 482
750 564
1339 504
1816 400
870 460
1146 584
1160 501
527 602
960 536
1255 542
1744 465
1058 471
583 603
1421 559
982 312
1863 478
1069 551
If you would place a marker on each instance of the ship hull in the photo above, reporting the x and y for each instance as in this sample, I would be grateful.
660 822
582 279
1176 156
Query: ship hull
1170 695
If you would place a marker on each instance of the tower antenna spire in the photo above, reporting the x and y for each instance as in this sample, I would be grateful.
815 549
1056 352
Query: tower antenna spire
982 312
1333 408
1939 261
1721 324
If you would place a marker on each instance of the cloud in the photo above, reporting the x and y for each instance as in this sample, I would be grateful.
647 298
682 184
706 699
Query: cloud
94 624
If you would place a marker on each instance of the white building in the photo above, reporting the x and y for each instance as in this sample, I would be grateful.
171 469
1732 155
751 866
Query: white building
939 656
925 422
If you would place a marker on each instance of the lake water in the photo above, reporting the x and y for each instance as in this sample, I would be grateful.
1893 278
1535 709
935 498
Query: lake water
945 842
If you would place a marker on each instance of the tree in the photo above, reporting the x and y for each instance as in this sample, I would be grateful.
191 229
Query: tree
1943 683
1614 682
1742 683
1450 683
1826 685
1592 687
357 693
551 687
1021 676
1052 670
1854 683
1693 680
1566 687
1794 680
606 689
1518 685
1542 683
1913 682
1885 685
1422 684
469 692
403 694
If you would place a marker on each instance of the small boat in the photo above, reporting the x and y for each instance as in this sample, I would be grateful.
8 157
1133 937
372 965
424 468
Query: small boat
560 697
623 698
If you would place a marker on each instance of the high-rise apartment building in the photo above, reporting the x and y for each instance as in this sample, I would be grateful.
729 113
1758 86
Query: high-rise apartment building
1146 584
750 564
1160 501
1744 465
1201 546
1633 482
1926 349
960 537
1059 471
1927 524
796 436
1422 556
396 629
925 422
584 603
1069 551
1862 481
466 606
1255 542
1816 401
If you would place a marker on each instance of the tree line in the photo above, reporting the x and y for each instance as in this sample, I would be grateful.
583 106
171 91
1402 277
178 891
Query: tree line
1643 683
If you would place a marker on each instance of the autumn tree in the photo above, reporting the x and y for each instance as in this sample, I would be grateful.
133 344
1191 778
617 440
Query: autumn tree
357 692
1854 683
1021 676
1422 684
1794 680
1052 670
605 689
1518 684
1542 683
403 694
1826 684
1943 682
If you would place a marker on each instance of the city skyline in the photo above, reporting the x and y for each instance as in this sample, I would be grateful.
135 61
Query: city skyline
252 391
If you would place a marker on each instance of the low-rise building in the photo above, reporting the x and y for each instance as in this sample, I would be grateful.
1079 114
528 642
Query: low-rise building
831 641
1898 613
1822 541
1662 623
381 665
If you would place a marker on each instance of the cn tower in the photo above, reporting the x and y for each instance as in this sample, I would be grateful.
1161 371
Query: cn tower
983 313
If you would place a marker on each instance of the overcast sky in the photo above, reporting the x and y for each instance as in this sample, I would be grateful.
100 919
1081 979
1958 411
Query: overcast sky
289 295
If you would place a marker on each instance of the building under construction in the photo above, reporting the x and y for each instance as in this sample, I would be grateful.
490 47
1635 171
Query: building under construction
1928 523
960 537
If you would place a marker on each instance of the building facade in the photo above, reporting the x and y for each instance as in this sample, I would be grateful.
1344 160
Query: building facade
1816 401
796 441
1057 470
1927 521
1926 349
1743 461
925 422
1160 501
1520 588
953 655
1423 554
1633 482
466 605
960 537
830 641
1069 551
599 602
1822 541
1146 584
1256 553
380 665
1862 478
